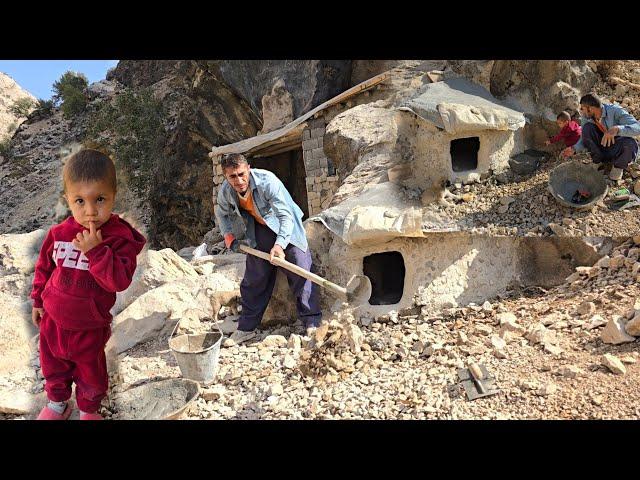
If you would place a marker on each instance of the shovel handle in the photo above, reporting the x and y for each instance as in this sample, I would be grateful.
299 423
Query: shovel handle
341 291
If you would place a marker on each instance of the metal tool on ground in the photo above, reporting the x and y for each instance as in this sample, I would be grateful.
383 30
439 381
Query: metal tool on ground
357 291
477 382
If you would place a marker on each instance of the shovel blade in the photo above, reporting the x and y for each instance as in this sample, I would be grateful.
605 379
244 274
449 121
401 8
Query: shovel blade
358 290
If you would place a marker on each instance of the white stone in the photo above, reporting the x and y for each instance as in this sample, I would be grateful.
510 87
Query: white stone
506 317
155 268
552 349
15 402
355 337
289 362
614 333
547 389
497 342
540 334
274 341
595 322
295 342
276 389
462 338
19 252
614 364
484 329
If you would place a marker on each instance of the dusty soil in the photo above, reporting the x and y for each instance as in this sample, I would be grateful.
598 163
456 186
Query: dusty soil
533 208
407 364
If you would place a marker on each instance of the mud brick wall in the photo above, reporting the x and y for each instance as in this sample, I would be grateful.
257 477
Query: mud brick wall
322 181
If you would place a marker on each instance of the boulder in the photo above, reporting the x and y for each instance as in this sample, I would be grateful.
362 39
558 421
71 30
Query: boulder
155 268
16 402
15 332
157 311
614 333
19 252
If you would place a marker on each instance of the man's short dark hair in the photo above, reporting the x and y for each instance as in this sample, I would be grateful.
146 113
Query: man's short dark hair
564 115
591 100
89 165
233 160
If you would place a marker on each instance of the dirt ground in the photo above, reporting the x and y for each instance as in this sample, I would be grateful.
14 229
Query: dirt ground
532 208
407 364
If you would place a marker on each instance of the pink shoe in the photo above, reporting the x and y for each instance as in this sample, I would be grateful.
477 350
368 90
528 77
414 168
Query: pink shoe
91 416
47 414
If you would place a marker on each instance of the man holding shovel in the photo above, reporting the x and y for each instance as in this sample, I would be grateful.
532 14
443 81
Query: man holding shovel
273 224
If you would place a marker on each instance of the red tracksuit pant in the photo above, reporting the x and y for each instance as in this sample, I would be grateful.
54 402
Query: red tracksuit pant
68 356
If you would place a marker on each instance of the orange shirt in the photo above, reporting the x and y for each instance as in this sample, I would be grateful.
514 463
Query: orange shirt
246 203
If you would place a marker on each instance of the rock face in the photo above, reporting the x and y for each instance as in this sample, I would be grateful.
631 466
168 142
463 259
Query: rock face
360 142
216 102
309 82
10 91
540 88
155 268
158 310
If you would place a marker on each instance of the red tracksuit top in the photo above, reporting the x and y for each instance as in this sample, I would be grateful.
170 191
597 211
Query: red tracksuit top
76 290
570 133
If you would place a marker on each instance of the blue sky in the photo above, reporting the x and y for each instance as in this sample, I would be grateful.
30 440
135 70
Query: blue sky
37 76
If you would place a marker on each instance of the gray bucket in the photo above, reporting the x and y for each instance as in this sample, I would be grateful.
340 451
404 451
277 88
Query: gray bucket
197 355
570 176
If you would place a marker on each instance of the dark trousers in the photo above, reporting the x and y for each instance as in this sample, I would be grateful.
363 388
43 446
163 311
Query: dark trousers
621 153
68 356
260 278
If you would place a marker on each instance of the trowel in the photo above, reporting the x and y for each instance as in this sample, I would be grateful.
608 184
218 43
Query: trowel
476 381
357 291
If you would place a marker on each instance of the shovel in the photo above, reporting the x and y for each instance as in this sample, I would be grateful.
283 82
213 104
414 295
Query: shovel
357 291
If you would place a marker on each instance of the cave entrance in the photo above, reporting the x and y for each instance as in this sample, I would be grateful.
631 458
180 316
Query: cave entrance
464 154
289 168
386 272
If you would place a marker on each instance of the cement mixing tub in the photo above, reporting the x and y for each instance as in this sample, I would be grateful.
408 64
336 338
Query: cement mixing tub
161 400
569 177
197 355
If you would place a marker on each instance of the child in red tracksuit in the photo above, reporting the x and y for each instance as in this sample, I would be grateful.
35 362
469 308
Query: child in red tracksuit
570 131
83 262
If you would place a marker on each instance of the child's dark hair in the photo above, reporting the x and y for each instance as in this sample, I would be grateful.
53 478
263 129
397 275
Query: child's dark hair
89 165
564 115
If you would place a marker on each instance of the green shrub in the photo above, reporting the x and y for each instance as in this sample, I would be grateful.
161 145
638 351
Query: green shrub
5 147
22 107
131 127
44 106
69 91
73 103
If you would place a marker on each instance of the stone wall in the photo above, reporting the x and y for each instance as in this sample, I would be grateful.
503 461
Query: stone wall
452 269
322 181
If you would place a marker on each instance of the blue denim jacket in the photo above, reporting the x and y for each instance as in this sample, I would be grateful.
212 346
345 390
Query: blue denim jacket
613 116
275 205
